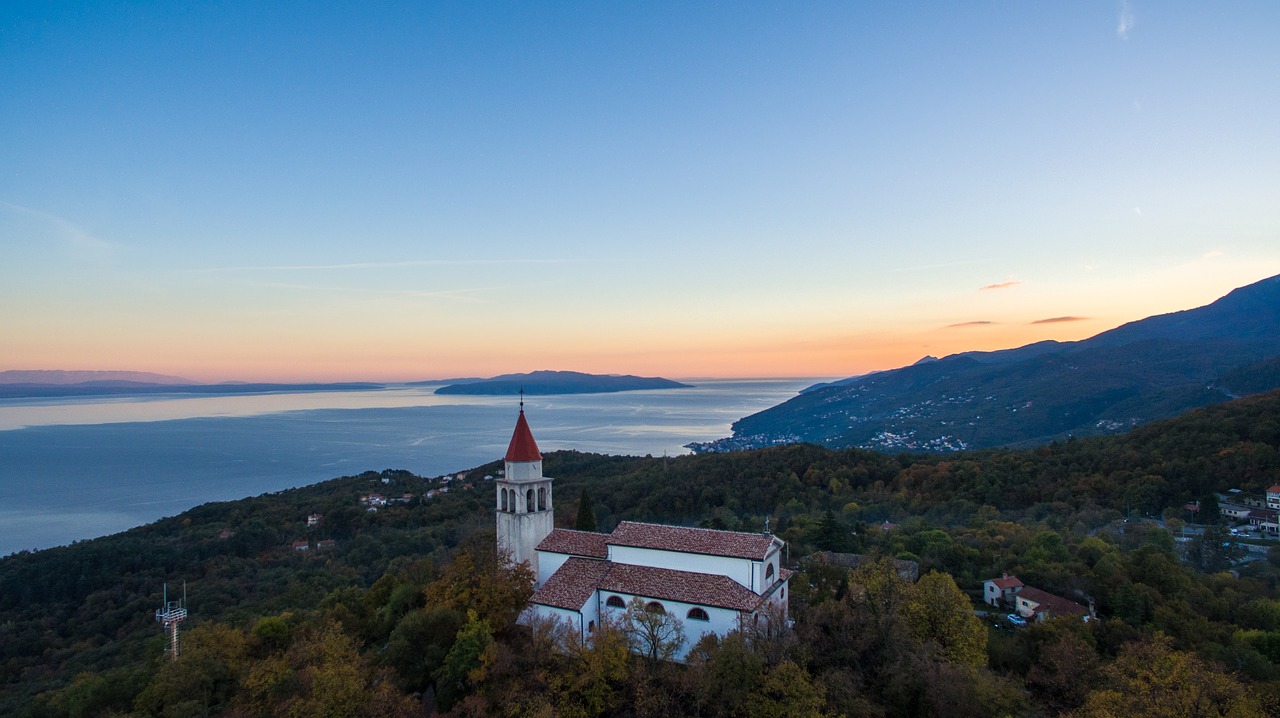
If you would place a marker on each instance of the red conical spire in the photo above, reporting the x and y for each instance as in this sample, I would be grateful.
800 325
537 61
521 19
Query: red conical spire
522 446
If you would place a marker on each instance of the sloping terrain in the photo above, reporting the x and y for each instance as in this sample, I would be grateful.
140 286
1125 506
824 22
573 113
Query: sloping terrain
1149 369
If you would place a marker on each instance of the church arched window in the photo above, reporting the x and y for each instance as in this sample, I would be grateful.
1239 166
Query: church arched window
655 607
768 572
697 614
542 499
615 602
529 505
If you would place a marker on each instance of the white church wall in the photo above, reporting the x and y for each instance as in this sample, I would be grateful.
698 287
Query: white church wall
738 569
760 568
720 620
548 563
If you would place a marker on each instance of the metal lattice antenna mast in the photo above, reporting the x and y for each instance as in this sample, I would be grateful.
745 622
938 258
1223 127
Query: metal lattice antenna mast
171 614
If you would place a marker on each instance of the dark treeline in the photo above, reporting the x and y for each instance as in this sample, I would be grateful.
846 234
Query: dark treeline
409 610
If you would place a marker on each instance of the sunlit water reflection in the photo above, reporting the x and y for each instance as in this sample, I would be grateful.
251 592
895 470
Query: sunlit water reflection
87 467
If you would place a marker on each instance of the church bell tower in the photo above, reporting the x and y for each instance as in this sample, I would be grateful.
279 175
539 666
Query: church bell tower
524 498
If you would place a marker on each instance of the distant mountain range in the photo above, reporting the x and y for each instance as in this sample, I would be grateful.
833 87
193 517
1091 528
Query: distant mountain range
55 377
56 383
1149 369
558 382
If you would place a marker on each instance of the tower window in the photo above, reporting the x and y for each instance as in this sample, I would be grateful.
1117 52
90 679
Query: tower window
505 504
768 572
542 499
529 505
697 614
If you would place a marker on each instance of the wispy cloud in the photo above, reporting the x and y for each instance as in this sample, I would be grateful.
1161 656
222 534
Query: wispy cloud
405 264
73 238
1127 20
1001 285
979 323
1058 320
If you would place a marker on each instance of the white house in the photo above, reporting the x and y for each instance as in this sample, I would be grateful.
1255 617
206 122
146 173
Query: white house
997 591
713 581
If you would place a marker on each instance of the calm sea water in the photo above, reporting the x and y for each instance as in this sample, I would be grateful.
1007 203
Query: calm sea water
74 469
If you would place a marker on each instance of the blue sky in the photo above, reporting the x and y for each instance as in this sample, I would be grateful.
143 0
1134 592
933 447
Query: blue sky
408 190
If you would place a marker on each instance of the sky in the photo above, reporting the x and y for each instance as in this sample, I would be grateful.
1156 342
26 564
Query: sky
300 191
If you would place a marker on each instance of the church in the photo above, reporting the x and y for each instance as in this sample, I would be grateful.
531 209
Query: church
714 581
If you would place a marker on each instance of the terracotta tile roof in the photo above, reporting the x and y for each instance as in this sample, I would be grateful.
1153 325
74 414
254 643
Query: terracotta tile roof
1006 582
703 589
1052 603
576 543
733 544
572 584
1274 489
522 446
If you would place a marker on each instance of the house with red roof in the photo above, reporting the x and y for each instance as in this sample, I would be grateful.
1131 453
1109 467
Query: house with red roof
712 581
1031 602
1000 591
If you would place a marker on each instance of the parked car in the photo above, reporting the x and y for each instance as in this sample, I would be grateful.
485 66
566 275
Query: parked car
1016 620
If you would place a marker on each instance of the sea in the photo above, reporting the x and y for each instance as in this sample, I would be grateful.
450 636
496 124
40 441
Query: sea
77 468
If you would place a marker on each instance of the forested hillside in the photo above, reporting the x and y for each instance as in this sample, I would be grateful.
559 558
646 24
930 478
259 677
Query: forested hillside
409 610
1154 368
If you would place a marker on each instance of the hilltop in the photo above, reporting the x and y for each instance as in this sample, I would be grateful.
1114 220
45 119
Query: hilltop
55 377
379 600
1145 370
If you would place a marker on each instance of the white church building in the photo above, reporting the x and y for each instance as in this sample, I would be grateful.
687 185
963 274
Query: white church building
714 581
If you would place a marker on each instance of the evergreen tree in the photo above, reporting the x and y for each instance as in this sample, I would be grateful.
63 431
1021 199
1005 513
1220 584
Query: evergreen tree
833 534
586 517
1209 512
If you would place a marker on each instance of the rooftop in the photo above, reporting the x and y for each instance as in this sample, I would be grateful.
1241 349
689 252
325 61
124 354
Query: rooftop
571 586
576 543
732 544
1006 582
703 589
1054 604
522 446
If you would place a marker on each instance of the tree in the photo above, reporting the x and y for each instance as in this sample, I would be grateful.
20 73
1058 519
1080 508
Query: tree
321 674
786 692
203 679
1150 679
936 611
1064 669
483 579
722 673
596 677
462 666
833 534
1214 550
586 517
1210 512
654 634
419 644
